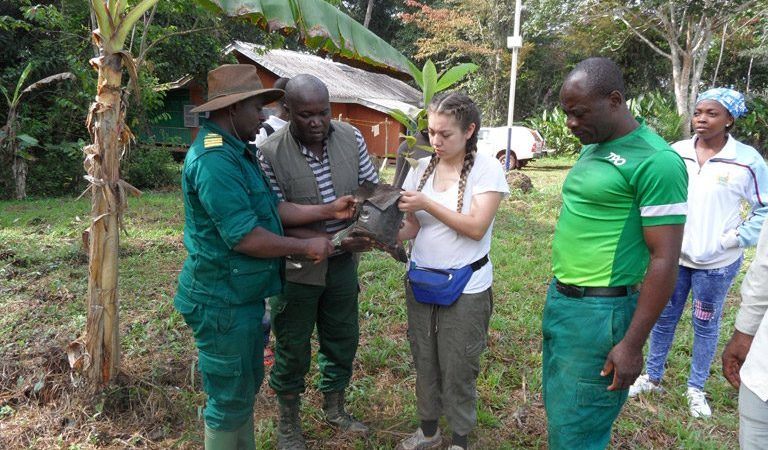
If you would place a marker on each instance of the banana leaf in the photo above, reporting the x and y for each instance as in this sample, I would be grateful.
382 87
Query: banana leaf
321 26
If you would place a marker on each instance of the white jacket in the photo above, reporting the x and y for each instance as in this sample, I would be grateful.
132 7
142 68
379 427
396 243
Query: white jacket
714 231
752 319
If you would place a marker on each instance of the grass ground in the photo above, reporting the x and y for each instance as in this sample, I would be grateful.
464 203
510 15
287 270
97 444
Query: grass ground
157 400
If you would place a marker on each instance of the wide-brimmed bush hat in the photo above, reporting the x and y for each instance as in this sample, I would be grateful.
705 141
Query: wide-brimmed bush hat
232 83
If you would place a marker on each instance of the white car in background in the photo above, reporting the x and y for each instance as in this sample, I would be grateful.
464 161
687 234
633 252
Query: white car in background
527 144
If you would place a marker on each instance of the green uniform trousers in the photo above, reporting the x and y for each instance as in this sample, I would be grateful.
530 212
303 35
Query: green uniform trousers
333 308
230 346
578 334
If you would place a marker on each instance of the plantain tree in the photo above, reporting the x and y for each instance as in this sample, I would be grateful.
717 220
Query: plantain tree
97 353
320 25
12 144
430 83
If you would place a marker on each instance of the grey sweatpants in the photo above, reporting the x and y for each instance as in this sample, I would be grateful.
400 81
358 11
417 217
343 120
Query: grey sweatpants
446 343
753 420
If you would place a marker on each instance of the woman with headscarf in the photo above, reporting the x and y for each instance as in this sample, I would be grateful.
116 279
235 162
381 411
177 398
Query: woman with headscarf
722 172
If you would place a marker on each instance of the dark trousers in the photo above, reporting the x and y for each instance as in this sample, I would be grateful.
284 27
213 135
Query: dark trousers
333 308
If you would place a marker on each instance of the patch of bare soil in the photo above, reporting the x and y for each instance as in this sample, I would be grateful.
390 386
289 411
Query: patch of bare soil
519 180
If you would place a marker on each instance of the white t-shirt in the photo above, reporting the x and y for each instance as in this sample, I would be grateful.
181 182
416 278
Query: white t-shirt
752 319
275 122
439 247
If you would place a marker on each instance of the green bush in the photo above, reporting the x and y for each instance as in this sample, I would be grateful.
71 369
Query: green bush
557 136
151 168
753 128
660 114
658 111
57 169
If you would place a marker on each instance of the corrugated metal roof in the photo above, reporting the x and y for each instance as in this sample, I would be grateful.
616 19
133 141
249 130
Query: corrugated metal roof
346 84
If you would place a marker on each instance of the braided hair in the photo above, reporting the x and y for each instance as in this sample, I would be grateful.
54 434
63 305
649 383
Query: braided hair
464 110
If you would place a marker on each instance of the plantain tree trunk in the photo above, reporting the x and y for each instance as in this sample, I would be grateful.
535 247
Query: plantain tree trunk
8 146
107 128
20 176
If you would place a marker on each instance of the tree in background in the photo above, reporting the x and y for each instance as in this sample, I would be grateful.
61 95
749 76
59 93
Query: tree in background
97 352
12 144
54 39
385 22
175 38
682 32
468 31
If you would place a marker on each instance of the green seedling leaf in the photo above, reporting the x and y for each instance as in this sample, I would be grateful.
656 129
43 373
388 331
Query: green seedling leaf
430 81
453 75
414 163
426 148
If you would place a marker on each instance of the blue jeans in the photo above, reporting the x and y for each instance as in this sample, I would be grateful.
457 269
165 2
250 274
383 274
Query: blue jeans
709 287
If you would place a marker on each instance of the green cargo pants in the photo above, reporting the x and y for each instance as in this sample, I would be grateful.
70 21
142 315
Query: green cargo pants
578 334
230 346
333 308
446 343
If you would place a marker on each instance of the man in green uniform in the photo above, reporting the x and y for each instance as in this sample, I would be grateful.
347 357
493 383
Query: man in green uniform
312 161
233 234
624 206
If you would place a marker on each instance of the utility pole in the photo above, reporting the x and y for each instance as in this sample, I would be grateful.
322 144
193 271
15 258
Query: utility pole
514 43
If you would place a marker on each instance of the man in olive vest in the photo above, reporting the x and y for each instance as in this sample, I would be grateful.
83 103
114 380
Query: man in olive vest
313 161
233 233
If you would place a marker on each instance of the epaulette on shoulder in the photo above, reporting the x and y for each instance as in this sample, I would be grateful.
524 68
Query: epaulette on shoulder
212 140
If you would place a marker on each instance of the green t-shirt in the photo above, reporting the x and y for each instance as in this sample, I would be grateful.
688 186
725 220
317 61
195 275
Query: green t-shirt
614 190
226 196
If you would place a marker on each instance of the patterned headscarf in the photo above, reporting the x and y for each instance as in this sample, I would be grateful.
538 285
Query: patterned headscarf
732 100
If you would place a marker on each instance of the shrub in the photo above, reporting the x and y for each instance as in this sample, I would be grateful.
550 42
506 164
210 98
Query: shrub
57 169
151 168
753 128
658 111
551 125
660 114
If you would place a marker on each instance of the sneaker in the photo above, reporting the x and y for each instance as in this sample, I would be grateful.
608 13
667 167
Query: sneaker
456 447
643 385
697 403
417 441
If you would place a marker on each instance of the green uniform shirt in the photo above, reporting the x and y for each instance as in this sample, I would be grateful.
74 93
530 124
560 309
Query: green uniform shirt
226 195
614 190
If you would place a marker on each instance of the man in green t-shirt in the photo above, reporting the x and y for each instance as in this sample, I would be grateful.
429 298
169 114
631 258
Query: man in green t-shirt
233 232
624 206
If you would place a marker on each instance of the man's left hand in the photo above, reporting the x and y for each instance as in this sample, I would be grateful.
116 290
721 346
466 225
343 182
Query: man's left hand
626 363
343 207
734 354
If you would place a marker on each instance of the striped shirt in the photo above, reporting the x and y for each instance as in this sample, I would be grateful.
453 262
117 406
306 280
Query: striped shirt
321 168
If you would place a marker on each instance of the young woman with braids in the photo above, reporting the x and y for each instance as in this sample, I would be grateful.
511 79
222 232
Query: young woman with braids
450 199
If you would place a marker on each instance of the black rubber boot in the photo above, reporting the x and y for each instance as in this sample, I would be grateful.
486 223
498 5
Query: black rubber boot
289 427
336 415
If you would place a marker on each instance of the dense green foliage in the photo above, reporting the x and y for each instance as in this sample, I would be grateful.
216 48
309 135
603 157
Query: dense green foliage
151 168
551 125
659 113
753 128
179 37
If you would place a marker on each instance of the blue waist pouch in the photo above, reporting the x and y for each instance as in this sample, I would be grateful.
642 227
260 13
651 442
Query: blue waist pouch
441 286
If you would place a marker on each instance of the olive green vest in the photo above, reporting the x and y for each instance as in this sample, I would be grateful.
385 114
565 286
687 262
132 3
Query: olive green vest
298 183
